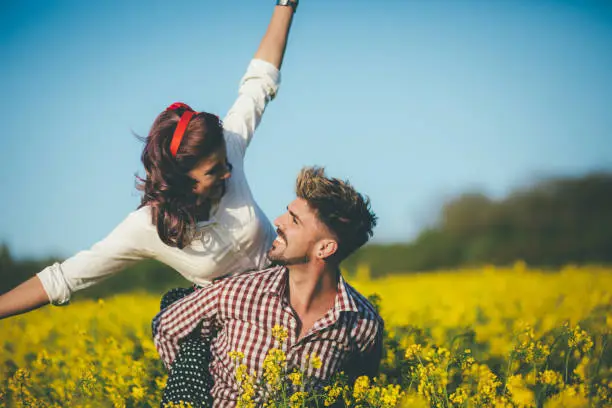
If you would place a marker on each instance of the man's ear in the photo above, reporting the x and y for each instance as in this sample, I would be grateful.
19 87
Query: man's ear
327 247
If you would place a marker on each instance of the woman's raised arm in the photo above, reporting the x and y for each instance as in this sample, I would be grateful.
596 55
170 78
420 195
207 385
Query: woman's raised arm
261 81
274 42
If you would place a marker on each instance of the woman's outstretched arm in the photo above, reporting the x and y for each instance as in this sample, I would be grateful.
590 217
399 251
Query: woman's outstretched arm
274 42
28 296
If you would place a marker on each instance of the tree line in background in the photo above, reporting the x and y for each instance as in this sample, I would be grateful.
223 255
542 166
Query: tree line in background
555 222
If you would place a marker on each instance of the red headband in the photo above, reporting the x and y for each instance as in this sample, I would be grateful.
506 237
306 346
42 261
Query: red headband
179 132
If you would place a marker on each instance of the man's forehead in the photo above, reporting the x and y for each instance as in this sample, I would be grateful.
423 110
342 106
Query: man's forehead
307 215
300 207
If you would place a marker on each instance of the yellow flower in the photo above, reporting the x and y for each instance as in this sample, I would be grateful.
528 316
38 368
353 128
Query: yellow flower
245 399
413 351
332 394
106 357
390 396
315 361
580 339
274 364
360 388
138 393
581 369
550 377
160 382
568 398
459 396
236 355
295 378
519 390
241 372
297 399
180 404
280 333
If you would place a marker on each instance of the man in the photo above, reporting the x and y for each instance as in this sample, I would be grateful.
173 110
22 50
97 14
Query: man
304 292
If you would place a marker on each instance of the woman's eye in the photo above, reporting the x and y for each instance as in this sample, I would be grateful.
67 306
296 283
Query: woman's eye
212 171
217 169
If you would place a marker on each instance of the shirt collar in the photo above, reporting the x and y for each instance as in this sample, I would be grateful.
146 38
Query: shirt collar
278 280
344 301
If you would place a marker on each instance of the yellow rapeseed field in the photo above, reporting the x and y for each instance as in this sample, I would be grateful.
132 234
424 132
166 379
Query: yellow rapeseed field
512 337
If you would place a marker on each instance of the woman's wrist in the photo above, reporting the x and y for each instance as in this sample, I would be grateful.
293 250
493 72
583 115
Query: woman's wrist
288 3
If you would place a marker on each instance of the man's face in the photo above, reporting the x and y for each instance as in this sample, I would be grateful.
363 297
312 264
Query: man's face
298 231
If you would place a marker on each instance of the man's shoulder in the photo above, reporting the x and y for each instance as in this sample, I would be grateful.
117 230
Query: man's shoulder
251 280
365 308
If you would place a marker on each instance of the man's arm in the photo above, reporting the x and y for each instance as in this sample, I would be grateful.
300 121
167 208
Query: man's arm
370 360
367 360
274 42
178 320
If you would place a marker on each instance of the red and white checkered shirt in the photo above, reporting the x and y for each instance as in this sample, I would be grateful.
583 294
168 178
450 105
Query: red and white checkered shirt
239 314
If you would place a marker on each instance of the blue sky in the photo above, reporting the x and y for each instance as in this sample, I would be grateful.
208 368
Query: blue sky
412 101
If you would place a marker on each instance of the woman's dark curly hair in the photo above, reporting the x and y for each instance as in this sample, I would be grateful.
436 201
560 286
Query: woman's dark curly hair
168 188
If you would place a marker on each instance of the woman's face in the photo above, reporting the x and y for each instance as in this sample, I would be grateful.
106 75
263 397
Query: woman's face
210 175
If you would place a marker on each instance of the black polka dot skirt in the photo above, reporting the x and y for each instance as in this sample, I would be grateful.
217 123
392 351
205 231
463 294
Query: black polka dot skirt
189 380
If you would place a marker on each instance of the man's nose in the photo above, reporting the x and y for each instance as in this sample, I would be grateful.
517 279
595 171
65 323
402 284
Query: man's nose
278 222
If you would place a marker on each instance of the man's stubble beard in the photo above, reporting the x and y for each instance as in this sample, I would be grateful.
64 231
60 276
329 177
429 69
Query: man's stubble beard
282 261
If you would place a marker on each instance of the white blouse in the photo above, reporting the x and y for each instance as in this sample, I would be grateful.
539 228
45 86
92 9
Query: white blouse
234 240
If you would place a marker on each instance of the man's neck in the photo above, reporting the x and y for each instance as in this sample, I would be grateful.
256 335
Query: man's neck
312 289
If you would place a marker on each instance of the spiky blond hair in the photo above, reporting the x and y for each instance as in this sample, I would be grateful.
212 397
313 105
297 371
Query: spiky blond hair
339 206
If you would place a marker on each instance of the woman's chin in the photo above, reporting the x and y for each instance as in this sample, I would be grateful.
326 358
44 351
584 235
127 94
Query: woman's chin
217 192
214 194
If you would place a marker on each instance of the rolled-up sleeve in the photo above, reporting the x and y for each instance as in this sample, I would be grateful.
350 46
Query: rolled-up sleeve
258 87
121 248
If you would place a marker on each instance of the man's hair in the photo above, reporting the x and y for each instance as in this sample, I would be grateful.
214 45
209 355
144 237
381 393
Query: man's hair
339 206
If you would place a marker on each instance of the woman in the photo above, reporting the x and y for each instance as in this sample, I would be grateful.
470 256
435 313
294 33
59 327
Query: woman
193 216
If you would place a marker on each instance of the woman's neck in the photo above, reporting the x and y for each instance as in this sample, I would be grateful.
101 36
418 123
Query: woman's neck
202 212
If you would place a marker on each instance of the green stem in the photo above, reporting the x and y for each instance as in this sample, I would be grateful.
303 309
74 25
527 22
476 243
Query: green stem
567 364
604 343
535 377
507 373
448 404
